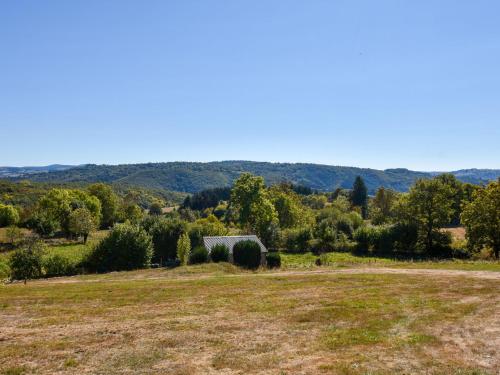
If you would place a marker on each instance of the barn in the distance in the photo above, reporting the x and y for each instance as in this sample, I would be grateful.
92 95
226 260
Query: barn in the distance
230 241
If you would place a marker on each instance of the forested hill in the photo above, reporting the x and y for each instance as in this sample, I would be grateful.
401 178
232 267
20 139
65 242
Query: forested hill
193 177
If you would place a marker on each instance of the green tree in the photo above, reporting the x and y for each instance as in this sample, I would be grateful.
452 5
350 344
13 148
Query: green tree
183 249
132 213
255 211
481 218
382 206
456 191
110 203
26 262
359 195
8 215
155 209
429 205
81 223
165 234
14 235
288 206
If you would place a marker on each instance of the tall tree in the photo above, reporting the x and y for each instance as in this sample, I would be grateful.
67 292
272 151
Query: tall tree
81 223
359 195
110 203
481 218
382 206
429 205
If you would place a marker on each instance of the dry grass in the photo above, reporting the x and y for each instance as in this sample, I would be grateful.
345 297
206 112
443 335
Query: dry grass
213 319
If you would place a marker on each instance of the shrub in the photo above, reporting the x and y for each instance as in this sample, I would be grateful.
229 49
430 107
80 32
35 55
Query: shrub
364 238
58 265
8 215
247 254
165 234
383 241
405 237
126 247
219 253
183 249
26 262
198 255
296 240
273 260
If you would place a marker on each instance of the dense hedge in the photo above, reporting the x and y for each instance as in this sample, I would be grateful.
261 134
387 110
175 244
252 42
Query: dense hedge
219 253
273 260
58 265
247 254
198 255
165 233
127 247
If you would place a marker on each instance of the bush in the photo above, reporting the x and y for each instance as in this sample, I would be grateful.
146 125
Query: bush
273 260
26 262
219 253
247 254
364 238
296 240
198 255
8 215
127 247
165 234
58 265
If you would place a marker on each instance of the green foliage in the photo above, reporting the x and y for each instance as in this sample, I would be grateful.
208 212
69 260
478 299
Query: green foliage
26 262
296 240
315 201
14 235
198 255
43 223
219 253
8 215
428 205
58 265
132 213
209 226
359 195
255 210
183 249
110 203
155 209
165 234
207 198
81 223
273 260
481 218
126 247
288 206
381 209
247 254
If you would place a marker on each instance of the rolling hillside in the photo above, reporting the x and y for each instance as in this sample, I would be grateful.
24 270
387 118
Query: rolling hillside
193 177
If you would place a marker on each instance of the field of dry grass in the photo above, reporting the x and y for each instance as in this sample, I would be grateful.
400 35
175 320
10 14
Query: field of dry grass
214 319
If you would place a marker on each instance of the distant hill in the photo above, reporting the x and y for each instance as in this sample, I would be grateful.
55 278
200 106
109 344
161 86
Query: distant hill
193 177
7 172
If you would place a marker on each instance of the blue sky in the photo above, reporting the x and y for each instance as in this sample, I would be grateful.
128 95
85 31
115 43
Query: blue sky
378 84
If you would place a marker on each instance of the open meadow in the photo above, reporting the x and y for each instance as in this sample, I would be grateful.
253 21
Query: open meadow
215 318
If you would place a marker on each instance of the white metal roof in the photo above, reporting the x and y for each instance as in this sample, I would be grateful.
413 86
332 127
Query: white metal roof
230 241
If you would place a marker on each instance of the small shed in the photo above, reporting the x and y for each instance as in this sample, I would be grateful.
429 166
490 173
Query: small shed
230 241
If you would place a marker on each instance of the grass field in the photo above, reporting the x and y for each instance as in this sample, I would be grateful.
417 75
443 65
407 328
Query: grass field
214 318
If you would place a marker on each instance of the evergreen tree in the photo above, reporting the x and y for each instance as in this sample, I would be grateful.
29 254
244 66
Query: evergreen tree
359 195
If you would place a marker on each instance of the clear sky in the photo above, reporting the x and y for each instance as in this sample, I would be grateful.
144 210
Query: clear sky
378 84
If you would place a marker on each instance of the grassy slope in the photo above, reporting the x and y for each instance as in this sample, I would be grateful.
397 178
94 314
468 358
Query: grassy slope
214 318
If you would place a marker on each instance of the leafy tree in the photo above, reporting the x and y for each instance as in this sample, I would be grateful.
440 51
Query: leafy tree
183 249
81 223
429 206
359 195
110 203
456 195
155 209
382 206
250 199
209 226
8 215
315 201
207 198
132 213
288 207
126 247
481 218
26 262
